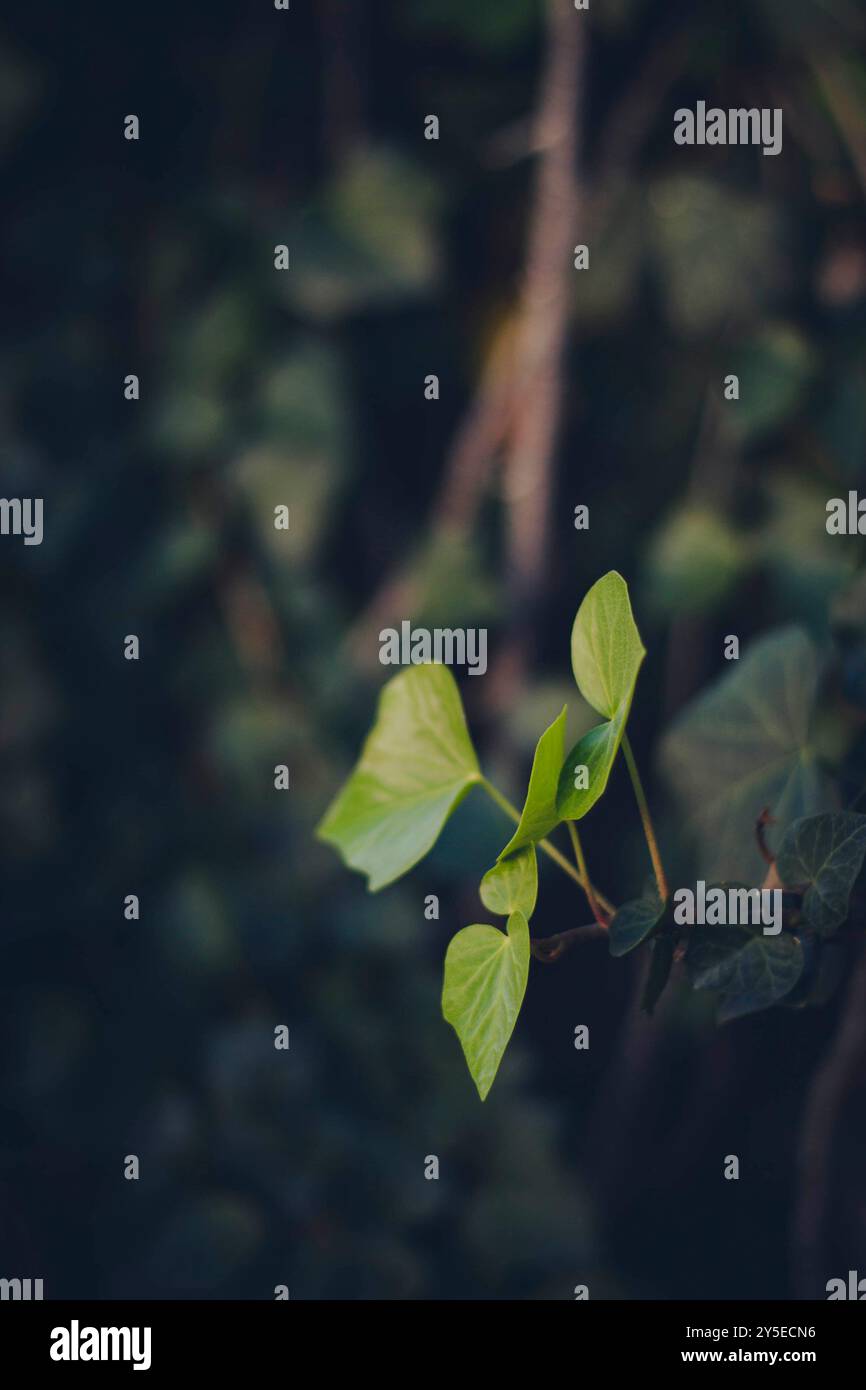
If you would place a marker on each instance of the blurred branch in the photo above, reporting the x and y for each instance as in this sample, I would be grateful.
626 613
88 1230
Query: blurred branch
542 326
466 474
518 405
633 115
518 401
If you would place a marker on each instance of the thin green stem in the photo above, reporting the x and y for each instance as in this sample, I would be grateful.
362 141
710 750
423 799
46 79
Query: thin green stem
646 819
501 801
584 874
505 805
578 851
579 874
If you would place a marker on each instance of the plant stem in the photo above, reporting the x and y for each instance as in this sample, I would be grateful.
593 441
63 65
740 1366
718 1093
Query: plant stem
550 948
504 804
550 850
584 875
646 819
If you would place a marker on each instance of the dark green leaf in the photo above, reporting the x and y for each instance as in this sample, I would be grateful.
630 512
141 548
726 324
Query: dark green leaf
825 853
633 923
749 971
822 975
743 745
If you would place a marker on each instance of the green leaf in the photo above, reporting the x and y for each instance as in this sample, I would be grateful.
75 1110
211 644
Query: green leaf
694 221
367 238
596 751
661 963
694 560
539 814
633 923
777 363
825 852
416 766
822 975
744 744
750 971
485 981
512 884
606 655
606 650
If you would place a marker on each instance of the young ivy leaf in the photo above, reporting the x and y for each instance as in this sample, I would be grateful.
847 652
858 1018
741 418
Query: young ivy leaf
606 655
512 884
485 981
751 971
826 853
416 766
539 814
606 650
633 923
586 770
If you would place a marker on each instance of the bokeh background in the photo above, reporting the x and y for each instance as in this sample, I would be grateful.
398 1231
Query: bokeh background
558 388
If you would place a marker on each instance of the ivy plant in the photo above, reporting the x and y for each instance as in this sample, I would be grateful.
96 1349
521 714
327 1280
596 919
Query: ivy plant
418 763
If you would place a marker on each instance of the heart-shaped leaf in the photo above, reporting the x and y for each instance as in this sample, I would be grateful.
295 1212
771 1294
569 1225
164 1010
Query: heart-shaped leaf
416 766
606 655
485 981
633 923
750 971
539 814
512 884
743 745
606 650
825 853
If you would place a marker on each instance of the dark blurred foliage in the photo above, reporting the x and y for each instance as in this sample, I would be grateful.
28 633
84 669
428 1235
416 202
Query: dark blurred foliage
306 388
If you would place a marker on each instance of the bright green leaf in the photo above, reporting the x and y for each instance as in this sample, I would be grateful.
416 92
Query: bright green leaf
416 766
825 853
606 655
750 971
539 814
596 752
512 884
743 744
606 650
633 923
485 981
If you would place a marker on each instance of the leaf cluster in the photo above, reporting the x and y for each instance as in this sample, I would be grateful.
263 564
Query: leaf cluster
418 763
